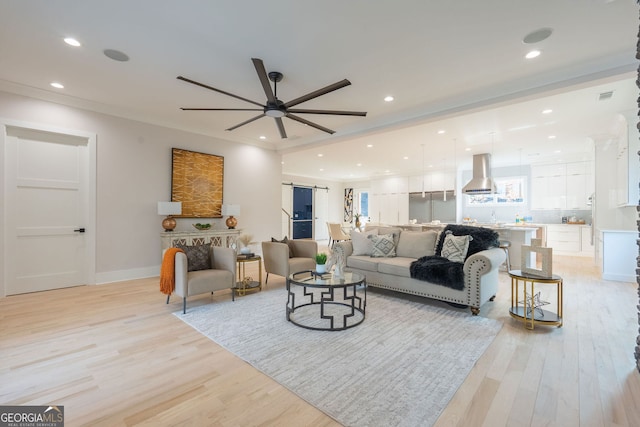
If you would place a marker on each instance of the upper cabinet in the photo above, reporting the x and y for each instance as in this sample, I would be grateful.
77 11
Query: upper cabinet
562 186
628 166
434 181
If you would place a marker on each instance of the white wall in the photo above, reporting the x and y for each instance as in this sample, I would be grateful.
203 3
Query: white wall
134 173
336 193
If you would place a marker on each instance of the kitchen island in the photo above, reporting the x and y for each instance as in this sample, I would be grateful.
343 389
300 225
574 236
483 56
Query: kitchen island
518 235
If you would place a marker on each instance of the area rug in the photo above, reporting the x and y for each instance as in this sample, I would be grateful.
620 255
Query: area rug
400 367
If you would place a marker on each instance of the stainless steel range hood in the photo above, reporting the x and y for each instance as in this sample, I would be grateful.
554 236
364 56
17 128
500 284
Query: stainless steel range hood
481 183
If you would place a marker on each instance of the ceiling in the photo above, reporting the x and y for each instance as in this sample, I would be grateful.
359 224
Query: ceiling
456 67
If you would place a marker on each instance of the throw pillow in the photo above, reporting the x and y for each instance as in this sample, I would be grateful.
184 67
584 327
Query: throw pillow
198 257
383 246
285 241
361 243
455 248
483 238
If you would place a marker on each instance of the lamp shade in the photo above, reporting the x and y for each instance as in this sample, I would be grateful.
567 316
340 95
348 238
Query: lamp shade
231 210
169 208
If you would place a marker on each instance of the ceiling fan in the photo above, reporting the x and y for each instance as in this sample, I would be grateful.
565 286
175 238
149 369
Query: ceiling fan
276 108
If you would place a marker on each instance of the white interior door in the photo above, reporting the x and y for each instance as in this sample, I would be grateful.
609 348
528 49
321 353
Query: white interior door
321 206
46 195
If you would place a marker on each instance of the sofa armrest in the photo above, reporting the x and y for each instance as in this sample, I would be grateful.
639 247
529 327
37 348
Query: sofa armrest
493 257
181 278
276 258
304 248
224 259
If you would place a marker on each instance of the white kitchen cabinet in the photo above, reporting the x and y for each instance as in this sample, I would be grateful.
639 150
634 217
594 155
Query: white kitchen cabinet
586 242
433 181
619 252
561 186
563 238
389 201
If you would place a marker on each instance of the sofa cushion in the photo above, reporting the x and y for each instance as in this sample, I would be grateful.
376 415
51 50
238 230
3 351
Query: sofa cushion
483 238
398 266
383 246
416 244
363 262
455 248
198 257
362 245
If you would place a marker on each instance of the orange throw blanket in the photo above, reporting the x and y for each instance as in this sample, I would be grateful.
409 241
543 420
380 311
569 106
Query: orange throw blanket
167 271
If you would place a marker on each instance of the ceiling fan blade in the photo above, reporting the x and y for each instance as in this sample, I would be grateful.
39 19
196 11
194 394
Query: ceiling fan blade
221 109
332 112
317 93
280 125
307 122
218 90
264 79
246 122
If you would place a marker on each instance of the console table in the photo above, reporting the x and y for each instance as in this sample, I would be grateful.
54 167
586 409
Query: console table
225 238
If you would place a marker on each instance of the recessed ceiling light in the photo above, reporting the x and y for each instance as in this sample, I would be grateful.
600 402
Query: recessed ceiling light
552 137
441 131
57 85
321 170
467 149
72 42
369 145
532 54
547 111
320 154
116 55
263 137
387 171
558 151
430 166
406 157
388 98
359 164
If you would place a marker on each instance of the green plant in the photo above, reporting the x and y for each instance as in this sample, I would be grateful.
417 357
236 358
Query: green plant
321 258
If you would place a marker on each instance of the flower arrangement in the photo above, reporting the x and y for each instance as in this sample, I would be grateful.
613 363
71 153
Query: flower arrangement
321 258
245 239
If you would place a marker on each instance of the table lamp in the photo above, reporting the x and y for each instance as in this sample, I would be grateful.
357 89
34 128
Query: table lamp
169 209
231 210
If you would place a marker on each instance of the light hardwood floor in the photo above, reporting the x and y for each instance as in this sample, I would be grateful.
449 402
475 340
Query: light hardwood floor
115 355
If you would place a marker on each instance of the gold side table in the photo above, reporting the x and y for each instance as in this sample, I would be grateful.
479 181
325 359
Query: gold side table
242 286
527 305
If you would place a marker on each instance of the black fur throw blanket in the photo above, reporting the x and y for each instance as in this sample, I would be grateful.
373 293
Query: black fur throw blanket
438 270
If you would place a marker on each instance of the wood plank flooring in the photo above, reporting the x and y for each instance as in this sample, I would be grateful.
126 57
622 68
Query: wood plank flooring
114 355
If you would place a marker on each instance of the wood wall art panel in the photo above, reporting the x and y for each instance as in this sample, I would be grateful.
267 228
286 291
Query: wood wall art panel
197 182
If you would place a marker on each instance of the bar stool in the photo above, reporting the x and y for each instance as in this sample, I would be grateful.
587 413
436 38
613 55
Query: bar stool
505 245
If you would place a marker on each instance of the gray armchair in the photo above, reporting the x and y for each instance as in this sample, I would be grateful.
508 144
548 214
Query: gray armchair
222 275
277 259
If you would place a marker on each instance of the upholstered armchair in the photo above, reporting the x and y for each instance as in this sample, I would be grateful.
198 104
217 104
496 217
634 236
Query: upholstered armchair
221 274
283 259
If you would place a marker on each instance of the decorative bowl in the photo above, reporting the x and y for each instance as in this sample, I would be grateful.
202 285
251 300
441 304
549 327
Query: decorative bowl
199 226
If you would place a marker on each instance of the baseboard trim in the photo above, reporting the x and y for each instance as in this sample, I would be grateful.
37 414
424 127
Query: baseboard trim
122 275
619 277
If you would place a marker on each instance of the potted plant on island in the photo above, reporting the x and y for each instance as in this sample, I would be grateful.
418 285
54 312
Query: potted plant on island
321 260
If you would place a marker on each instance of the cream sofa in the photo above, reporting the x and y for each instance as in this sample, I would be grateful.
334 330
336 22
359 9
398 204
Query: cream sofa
480 269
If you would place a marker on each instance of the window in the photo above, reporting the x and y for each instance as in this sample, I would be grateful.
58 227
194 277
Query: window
510 191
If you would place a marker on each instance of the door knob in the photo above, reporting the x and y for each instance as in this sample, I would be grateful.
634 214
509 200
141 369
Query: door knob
79 230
